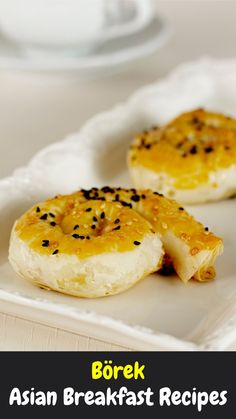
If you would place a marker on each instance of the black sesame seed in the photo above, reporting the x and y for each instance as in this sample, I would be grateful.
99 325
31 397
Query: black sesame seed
137 243
76 226
51 215
93 227
117 221
88 237
208 149
193 150
116 228
53 224
206 229
181 208
143 196
107 189
133 190
55 252
37 209
135 198
88 209
95 219
117 197
82 237
102 215
157 193
76 236
195 120
86 194
147 146
44 217
45 243
126 204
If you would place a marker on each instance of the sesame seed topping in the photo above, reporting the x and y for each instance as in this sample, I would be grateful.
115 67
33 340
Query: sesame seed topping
88 209
107 189
208 149
55 252
117 221
193 149
95 219
37 209
76 236
143 196
45 243
117 197
135 198
137 243
53 224
88 237
116 228
51 215
44 217
102 215
125 204
147 146
93 226
181 208
206 229
82 237
76 226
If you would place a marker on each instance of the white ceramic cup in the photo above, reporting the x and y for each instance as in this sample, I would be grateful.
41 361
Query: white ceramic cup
69 25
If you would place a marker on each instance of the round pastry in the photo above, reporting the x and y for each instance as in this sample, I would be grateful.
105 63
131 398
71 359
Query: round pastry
191 159
101 241
191 247
87 249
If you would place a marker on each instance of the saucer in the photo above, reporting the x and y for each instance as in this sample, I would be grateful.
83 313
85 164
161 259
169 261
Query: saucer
111 57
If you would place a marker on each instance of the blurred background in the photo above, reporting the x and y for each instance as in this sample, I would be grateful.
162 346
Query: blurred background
62 61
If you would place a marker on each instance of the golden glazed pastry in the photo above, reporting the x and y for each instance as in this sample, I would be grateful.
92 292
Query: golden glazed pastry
101 241
87 248
191 159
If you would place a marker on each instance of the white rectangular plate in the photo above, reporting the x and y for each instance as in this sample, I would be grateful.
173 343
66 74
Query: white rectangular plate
159 313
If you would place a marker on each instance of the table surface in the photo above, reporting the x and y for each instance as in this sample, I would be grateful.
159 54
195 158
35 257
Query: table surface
39 109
